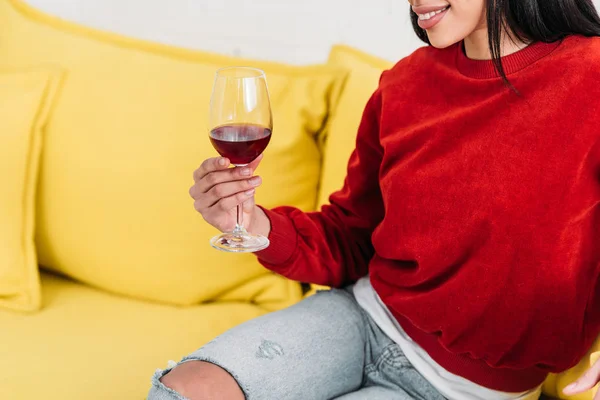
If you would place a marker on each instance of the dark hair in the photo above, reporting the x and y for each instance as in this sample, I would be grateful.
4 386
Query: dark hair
532 21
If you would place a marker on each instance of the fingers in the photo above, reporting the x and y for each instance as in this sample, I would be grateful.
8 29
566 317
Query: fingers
586 382
225 190
218 189
216 178
228 203
215 164
210 165
225 204
215 171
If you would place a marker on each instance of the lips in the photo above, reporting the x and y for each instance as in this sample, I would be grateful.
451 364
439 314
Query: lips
429 16
421 10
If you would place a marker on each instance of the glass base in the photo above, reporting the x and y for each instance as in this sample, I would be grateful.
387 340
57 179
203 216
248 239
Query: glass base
243 243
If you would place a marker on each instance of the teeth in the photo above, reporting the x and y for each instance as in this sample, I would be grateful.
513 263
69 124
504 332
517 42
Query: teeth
425 17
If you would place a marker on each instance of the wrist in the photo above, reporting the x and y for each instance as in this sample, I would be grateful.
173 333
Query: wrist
260 223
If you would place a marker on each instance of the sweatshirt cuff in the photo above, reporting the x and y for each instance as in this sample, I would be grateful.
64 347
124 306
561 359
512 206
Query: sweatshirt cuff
283 237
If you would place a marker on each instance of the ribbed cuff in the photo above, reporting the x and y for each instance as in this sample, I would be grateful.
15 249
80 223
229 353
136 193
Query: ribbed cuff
283 238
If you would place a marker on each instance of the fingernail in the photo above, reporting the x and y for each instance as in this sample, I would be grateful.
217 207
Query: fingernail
222 162
570 387
249 192
255 181
246 171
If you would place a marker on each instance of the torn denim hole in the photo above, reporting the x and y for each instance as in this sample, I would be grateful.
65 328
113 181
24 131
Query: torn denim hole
269 350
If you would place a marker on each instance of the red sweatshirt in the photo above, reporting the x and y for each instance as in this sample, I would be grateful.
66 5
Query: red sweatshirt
475 211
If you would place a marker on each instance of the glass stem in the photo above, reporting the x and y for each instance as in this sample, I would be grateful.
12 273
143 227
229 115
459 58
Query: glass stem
239 225
239 229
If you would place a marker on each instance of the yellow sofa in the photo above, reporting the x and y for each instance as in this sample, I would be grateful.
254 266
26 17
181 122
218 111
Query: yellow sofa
128 279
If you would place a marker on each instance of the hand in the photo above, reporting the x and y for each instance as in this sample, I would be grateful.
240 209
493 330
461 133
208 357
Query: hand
586 382
218 190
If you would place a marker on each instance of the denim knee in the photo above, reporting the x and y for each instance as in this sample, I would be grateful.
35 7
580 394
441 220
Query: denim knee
159 391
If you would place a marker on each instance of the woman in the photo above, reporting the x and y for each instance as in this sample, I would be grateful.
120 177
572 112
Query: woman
469 225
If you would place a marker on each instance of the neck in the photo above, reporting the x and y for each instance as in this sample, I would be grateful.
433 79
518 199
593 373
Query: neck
478 48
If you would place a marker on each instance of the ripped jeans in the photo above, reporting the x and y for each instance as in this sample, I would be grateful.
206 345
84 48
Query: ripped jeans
325 347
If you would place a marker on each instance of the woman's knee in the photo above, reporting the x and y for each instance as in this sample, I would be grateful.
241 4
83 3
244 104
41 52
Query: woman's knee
198 380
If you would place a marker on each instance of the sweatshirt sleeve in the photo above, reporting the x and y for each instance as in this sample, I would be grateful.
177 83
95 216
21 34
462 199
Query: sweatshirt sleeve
333 246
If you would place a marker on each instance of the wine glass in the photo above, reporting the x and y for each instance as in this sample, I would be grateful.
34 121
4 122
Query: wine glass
240 125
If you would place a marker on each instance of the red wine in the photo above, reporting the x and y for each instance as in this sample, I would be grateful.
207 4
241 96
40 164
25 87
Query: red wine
241 143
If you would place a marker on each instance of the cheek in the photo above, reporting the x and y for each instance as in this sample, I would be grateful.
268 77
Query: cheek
462 20
481 16
470 13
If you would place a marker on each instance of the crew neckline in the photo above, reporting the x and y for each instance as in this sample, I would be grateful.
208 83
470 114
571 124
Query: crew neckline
485 69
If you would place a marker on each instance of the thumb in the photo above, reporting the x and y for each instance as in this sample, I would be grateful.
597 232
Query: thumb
254 164
586 382
249 205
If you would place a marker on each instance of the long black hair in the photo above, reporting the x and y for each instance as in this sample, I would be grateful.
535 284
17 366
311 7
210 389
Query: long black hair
532 21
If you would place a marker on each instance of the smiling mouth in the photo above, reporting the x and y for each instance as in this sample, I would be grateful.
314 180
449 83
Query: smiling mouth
428 15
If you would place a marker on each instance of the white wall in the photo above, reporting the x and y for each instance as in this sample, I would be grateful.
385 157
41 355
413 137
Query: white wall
295 31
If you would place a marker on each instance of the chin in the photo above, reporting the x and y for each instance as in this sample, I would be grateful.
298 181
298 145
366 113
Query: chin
439 40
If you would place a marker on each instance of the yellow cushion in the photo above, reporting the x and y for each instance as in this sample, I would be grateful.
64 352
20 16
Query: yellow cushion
88 344
25 99
124 139
555 383
364 72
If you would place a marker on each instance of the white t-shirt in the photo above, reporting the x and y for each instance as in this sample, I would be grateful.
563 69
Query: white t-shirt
451 386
